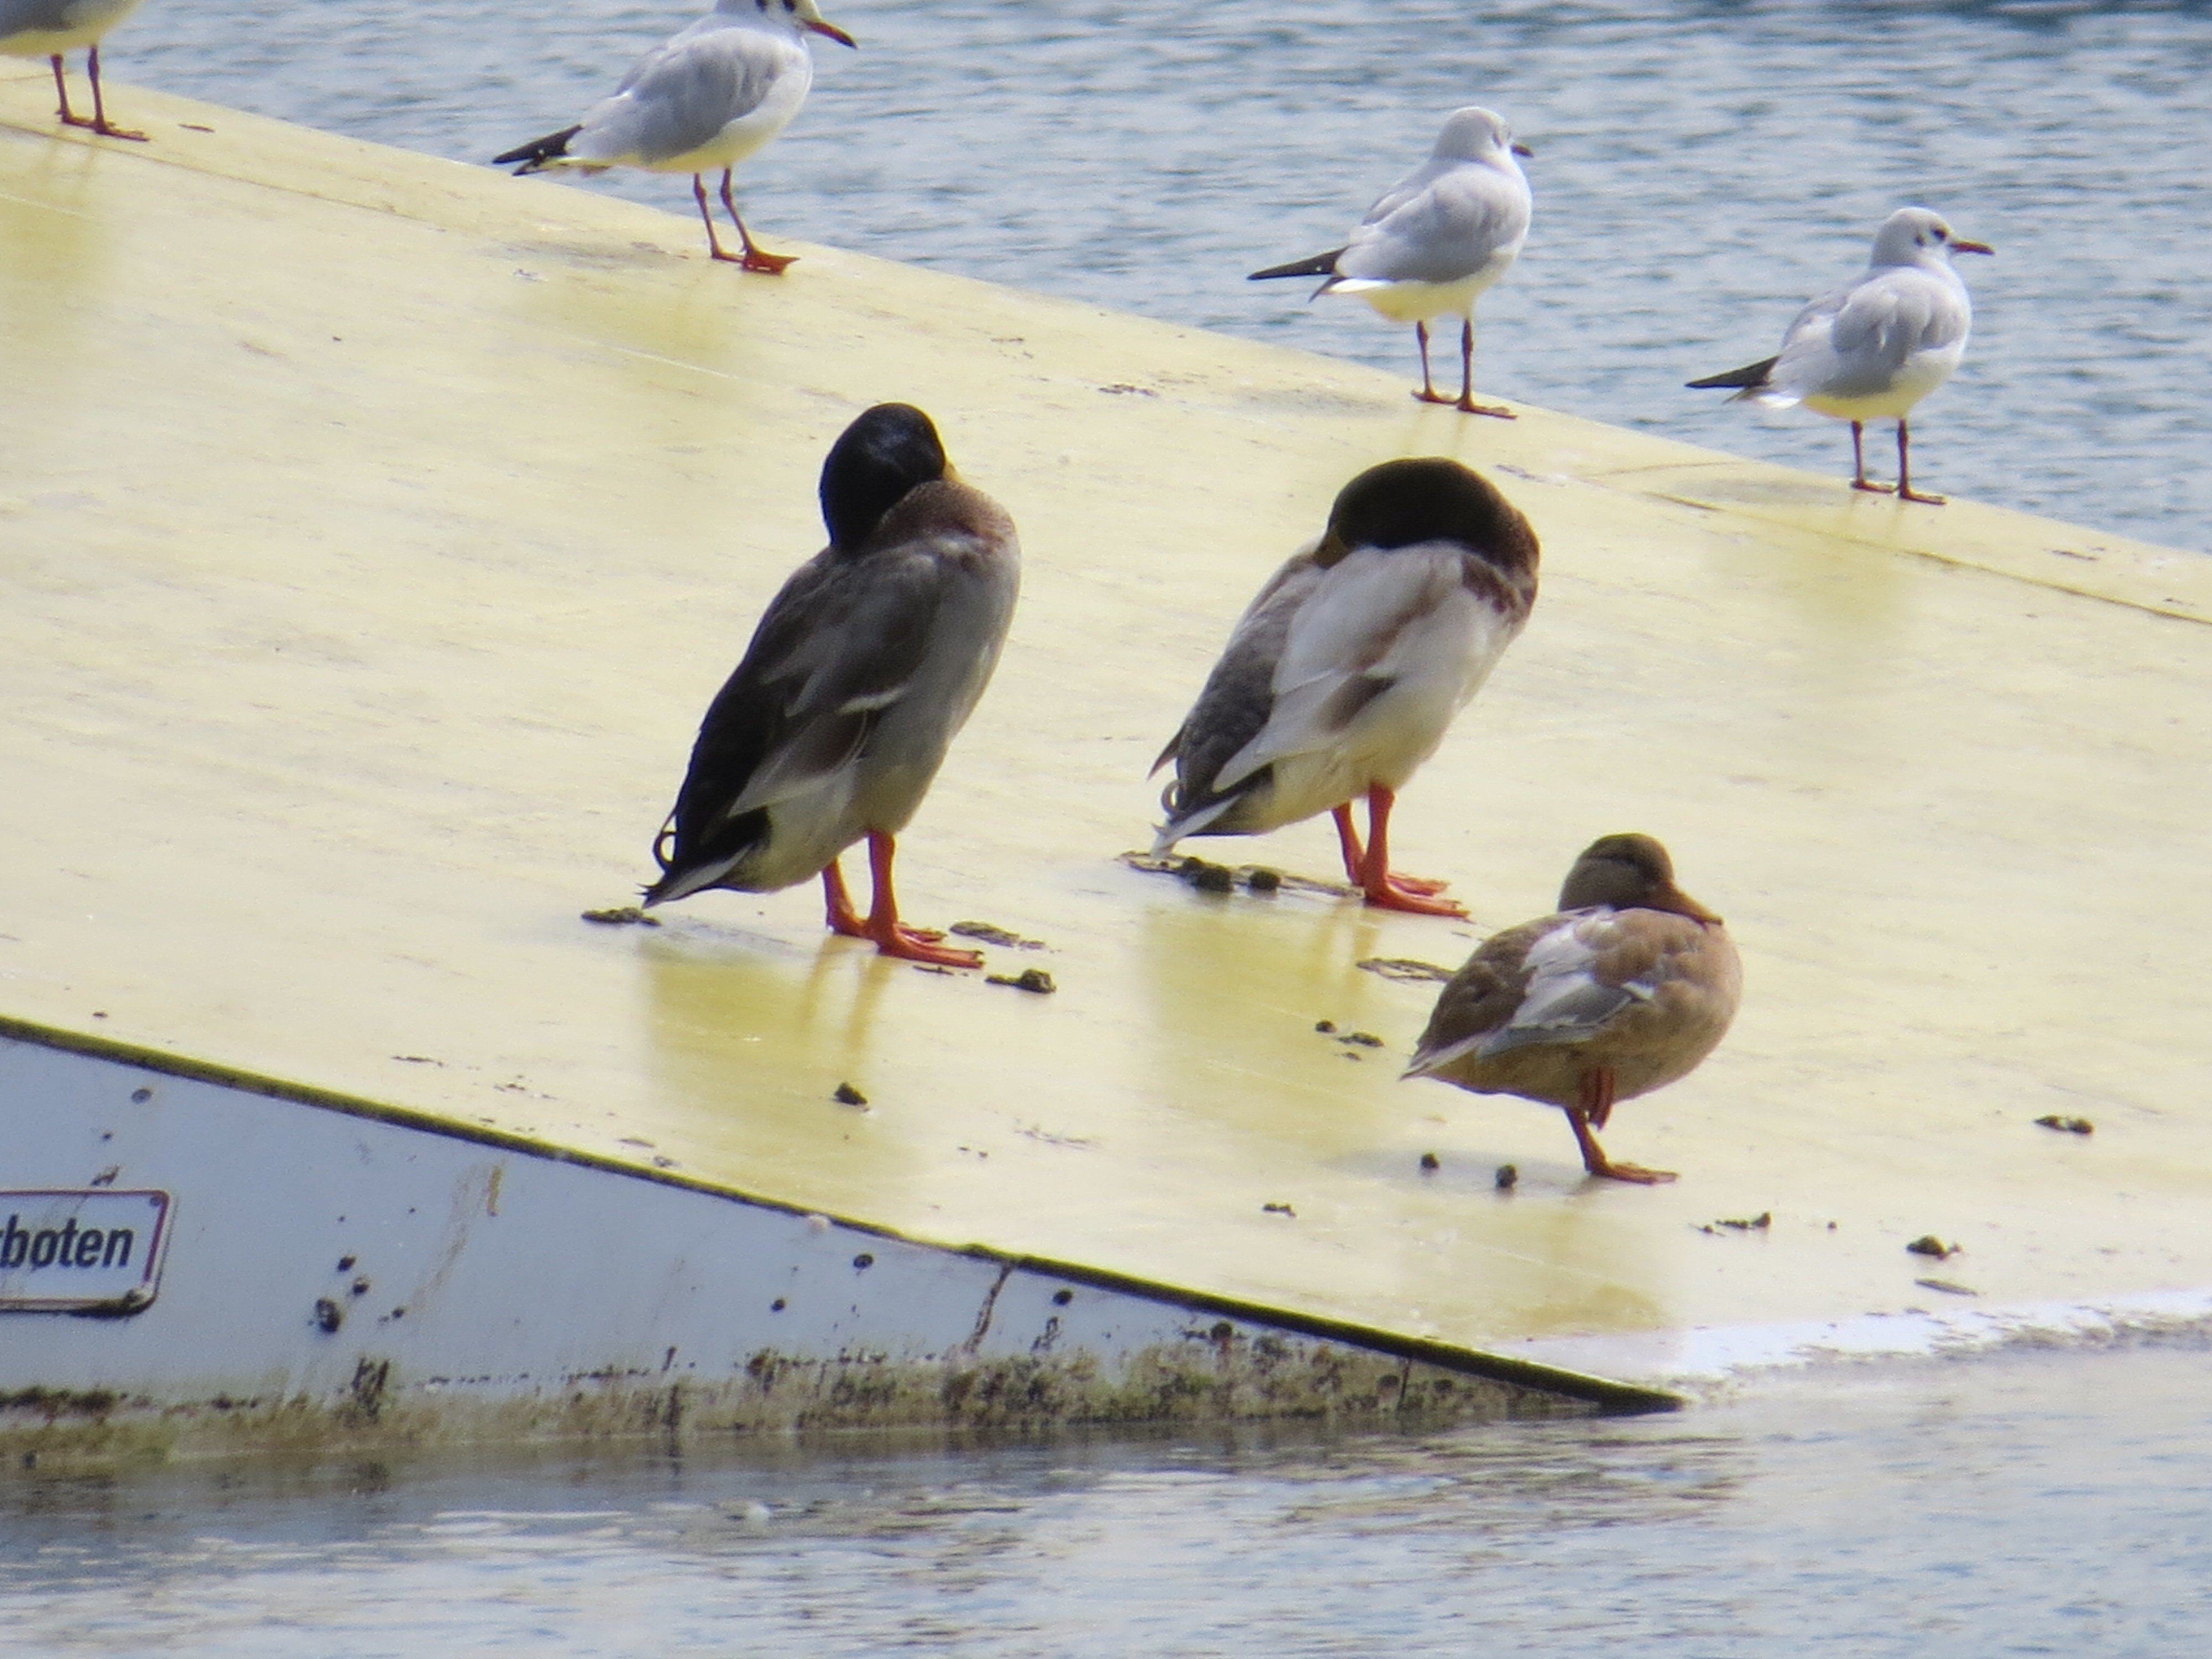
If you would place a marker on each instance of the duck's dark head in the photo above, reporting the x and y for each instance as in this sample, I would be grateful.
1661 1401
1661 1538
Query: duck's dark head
1628 872
1428 499
886 452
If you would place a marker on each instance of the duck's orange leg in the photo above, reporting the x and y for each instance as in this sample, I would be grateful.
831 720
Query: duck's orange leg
1595 1108
1383 889
841 917
883 926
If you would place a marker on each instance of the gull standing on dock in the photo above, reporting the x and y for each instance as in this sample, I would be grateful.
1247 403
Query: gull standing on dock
47 28
1342 676
1435 239
1625 990
861 672
1873 349
705 98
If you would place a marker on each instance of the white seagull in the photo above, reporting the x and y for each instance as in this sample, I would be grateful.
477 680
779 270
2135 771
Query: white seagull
1341 677
1874 349
47 28
707 97
1435 239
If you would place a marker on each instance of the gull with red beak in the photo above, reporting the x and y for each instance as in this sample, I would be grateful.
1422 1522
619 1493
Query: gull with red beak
707 97
1435 241
1875 348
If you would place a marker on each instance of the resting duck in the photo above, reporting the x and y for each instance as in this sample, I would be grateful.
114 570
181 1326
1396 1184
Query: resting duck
1341 677
863 668
1625 990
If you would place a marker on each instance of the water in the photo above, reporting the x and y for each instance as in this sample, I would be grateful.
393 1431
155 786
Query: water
2024 1503
1702 169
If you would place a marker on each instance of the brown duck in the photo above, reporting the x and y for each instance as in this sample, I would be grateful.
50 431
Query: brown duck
1624 990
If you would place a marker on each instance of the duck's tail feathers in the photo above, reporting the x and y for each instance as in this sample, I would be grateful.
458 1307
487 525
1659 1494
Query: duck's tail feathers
1321 264
538 152
1746 381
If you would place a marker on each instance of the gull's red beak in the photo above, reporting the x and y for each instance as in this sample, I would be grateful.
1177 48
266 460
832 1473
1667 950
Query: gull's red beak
1519 148
1960 244
823 25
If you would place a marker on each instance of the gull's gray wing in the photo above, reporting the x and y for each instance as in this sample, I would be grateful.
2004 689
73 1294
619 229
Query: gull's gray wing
683 92
1853 343
1443 222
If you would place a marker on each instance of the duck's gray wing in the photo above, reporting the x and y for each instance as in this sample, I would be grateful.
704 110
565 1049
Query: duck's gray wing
1234 706
839 645
683 92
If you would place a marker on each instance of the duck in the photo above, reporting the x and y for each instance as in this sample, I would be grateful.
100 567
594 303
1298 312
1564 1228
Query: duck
48 29
1626 988
1876 346
862 670
1434 241
707 97
1343 673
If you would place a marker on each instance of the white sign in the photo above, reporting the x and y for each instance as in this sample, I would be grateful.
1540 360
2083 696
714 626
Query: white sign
90 1249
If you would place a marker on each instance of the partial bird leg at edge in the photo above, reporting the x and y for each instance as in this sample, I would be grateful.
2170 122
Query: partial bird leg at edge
769 264
98 123
909 944
1859 480
837 904
1428 394
1466 405
707 216
1387 891
1905 492
1596 1107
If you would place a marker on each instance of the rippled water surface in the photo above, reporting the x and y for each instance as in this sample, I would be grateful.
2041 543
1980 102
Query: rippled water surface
2035 1504
1702 169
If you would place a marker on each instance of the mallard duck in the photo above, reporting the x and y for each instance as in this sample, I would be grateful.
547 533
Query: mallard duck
1624 990
1876 346
1435 241
862 670
707 97
1341 677
47 28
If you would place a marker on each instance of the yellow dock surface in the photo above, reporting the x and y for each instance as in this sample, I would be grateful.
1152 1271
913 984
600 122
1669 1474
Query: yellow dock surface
374 530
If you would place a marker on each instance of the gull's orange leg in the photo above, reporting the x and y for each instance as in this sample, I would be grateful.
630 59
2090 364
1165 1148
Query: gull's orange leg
909 944
1905 492
1347 841
1596 1107
98 123
1387 891
1428 394
1859 479
770 265
1467 404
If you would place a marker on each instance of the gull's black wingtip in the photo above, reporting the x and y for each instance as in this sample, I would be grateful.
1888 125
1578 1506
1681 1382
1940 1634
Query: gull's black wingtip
1321 264
539 151
1750 376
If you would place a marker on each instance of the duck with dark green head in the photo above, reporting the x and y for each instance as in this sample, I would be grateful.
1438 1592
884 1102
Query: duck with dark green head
1625 989
1342 677
860 674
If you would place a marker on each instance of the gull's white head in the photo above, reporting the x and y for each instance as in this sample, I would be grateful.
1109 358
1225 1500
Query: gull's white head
797 16
1476 134
1916 236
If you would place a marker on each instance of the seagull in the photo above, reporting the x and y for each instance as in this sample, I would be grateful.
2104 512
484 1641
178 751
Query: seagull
1341 677
859 674
47 28
1873 349
1626 989
1435 239
705 98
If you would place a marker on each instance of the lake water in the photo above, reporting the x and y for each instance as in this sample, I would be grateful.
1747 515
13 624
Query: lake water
1701 169
2024 1502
